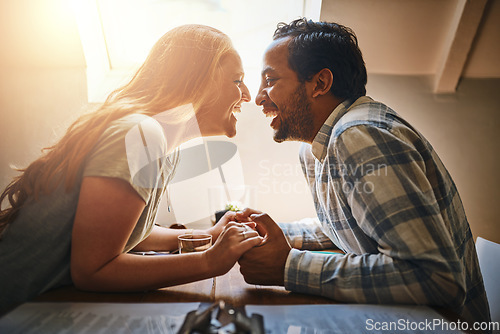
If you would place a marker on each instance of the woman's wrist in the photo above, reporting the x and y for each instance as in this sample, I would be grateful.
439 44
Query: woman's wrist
212 262
209 231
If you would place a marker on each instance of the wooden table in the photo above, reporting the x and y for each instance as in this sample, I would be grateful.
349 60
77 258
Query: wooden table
230 287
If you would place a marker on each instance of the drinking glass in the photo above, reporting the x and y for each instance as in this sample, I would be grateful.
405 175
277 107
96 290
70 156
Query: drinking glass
189 243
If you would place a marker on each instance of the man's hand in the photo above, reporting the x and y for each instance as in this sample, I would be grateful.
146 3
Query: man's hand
265 264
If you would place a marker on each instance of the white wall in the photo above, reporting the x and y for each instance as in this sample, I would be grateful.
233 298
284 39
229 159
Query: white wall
42 78
36 105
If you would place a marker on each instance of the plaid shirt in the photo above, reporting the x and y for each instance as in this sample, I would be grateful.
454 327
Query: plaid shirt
383 196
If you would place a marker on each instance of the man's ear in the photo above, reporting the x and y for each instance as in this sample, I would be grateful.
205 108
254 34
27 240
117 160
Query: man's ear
323 81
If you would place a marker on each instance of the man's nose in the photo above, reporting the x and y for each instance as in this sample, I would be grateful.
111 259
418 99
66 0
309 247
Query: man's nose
261 97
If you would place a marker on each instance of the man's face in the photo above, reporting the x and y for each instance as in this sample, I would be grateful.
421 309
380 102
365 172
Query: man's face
284 97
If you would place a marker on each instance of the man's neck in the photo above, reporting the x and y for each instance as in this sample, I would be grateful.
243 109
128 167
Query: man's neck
321 111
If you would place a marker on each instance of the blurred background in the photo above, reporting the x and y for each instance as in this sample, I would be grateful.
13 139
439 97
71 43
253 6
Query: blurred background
436 62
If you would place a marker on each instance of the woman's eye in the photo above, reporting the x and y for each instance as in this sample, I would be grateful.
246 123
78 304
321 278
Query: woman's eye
238 82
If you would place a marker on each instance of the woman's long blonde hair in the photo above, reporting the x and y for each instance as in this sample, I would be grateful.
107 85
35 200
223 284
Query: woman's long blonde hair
179 70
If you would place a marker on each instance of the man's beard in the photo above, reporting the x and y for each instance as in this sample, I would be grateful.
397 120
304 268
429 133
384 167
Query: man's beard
296 119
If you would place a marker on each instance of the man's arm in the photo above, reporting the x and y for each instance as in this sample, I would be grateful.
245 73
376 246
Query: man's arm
307 234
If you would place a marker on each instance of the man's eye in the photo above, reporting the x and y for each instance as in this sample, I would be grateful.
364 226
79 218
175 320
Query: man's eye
269 81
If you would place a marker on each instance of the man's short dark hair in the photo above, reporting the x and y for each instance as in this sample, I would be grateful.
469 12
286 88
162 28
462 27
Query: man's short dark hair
318 45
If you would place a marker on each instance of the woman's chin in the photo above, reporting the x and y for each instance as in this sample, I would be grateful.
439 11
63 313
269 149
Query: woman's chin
229 131
231 127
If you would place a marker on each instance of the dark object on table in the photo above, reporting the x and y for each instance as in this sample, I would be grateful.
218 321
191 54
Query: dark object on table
177 226
219 214
221 318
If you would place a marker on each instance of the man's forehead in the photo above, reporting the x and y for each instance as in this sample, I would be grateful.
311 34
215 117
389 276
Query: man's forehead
279 44
276 54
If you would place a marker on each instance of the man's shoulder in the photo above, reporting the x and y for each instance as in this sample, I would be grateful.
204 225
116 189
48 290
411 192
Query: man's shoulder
368 113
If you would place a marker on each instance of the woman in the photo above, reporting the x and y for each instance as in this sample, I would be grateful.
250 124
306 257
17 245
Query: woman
77 211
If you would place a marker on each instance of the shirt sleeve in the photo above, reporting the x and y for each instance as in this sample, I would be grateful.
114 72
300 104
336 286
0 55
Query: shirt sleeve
394 205
133 150
306 234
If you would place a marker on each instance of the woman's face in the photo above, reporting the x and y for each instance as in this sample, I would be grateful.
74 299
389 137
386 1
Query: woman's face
218 117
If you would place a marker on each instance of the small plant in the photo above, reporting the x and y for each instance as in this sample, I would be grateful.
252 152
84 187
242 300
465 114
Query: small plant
234 206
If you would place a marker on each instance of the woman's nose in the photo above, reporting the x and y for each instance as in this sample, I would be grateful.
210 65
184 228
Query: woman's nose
245 94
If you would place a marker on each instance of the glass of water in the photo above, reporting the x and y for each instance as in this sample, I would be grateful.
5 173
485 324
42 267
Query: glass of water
190 243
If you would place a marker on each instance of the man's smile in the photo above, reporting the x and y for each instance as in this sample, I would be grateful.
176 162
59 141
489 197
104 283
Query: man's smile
271 111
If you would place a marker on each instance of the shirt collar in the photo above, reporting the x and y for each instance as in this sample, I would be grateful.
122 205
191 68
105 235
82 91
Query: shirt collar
322 138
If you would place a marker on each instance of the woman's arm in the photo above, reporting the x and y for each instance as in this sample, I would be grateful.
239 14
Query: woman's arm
162 239
107 212
165 239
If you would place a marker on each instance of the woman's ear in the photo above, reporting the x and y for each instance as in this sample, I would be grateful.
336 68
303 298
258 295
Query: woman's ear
323 81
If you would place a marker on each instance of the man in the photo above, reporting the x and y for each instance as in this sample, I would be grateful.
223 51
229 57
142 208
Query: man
381 193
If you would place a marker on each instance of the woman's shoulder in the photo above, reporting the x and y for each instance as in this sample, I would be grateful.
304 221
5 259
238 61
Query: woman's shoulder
134 125
126 149
127 134
134 120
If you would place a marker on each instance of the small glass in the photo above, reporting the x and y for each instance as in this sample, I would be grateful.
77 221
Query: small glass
190 243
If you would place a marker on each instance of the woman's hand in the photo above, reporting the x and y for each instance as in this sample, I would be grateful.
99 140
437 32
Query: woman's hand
235 239
229 216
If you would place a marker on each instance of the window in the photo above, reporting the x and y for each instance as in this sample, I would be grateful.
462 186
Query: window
118 34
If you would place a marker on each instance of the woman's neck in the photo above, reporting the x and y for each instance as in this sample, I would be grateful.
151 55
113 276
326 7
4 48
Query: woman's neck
179 133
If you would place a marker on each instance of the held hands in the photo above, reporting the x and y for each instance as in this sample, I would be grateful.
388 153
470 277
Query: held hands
237 234
229 216
265 264
234 240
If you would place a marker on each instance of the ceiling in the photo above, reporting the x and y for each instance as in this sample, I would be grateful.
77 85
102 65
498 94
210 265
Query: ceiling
446 39
443 39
